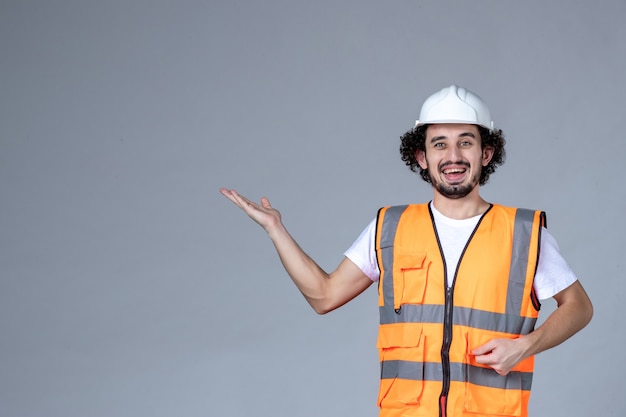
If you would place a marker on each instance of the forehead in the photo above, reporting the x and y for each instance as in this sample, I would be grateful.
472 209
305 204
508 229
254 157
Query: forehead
451 130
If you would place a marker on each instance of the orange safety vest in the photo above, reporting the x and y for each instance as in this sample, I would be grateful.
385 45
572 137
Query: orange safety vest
428 330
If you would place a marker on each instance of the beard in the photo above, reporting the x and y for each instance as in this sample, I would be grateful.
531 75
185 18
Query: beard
454 191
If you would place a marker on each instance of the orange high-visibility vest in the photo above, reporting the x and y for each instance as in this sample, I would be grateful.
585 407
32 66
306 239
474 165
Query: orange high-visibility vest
428 330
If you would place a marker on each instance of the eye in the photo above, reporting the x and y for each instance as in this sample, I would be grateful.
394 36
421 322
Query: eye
439 145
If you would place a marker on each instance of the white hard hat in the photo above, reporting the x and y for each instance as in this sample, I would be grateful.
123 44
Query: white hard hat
455 105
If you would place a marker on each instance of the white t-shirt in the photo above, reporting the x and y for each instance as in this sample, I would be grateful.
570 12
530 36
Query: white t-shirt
552 276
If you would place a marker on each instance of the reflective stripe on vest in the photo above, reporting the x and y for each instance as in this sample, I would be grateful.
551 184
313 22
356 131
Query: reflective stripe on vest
458 372
411 332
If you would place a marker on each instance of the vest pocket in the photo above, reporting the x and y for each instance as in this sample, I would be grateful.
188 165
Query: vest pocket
494 401
401 348
487 392
410 277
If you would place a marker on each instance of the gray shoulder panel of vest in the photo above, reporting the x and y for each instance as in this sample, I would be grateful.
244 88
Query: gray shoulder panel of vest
390 224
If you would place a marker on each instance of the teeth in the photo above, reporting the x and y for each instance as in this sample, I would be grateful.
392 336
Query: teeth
453 171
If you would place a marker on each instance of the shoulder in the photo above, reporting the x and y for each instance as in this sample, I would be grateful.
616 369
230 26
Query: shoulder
520 214
399 210
501 207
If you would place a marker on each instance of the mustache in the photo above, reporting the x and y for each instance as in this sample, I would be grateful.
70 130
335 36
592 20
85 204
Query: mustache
447 163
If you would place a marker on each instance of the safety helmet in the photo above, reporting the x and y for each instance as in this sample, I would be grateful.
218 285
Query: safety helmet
455 105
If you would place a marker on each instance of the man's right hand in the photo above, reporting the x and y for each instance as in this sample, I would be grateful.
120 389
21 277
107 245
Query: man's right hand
263 213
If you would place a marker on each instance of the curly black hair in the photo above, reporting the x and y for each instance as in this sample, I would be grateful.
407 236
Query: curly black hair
415 139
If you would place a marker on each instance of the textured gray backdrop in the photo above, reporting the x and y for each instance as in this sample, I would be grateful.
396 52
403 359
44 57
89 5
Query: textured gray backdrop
130 287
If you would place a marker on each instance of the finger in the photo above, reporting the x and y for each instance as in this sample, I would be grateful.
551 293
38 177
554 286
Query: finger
265 202
481 350
229 195
234 197
246 205
244 202
483 359
239 200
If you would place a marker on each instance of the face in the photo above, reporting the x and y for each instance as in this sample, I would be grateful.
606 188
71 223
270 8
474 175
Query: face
454 158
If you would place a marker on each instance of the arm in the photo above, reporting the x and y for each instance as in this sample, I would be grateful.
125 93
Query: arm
323 291
574 311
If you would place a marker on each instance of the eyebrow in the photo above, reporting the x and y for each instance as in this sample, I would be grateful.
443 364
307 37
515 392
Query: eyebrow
462 135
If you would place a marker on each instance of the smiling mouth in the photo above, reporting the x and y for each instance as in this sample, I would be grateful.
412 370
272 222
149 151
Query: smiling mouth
454 175
453 171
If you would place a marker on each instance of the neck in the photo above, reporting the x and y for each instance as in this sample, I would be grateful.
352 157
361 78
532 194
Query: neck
460 208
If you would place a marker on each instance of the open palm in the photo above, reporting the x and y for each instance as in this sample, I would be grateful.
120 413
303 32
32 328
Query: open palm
263 213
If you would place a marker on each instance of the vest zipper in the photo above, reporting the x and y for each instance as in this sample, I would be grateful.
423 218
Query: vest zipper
447 328
445 352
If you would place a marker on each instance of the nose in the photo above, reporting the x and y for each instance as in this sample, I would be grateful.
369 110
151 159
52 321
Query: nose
453 154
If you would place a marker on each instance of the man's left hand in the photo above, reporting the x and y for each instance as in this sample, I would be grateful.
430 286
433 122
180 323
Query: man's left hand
500 354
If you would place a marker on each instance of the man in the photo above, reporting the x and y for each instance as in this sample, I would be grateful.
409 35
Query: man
459 278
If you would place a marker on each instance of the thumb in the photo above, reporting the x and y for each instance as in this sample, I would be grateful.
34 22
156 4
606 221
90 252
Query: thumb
265 202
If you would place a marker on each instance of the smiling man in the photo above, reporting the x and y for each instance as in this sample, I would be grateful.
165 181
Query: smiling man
459 279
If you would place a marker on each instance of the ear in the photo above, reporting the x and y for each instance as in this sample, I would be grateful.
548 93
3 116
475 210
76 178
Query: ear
420 156
487 155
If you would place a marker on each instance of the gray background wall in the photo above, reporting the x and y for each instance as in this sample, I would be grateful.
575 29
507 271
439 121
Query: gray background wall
130 287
